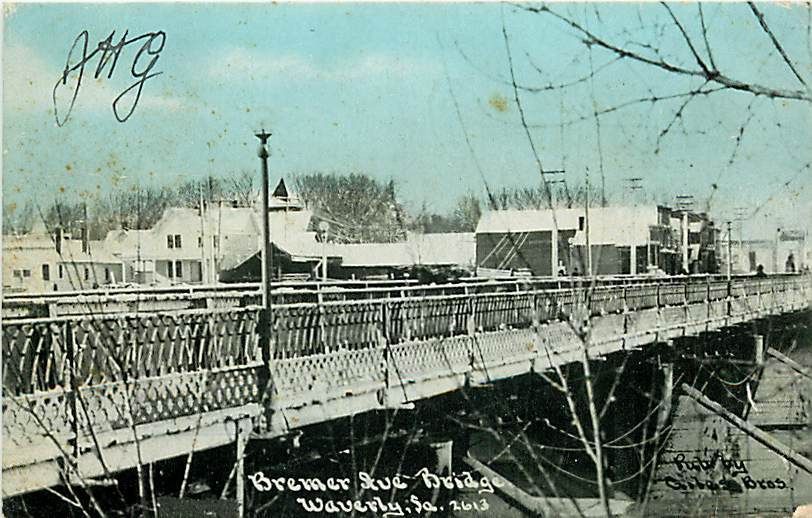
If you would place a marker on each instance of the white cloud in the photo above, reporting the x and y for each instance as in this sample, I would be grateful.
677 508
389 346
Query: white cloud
29 83
242 63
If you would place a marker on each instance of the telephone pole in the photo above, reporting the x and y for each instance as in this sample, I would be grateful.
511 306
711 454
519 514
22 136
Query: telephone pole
740 213
634 186
729 251
586 227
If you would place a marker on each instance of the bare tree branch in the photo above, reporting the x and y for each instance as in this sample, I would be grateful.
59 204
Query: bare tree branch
763 22
590 38
687 39
705 35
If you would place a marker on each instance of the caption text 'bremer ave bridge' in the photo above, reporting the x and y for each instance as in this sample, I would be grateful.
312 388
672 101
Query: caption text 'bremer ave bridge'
101 383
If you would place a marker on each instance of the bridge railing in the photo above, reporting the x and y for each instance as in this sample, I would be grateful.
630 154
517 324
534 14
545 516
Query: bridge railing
320 328
407 349
109 348
66 376
148 300
71 377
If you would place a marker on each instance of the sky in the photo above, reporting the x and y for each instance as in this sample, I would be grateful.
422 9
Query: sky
375 88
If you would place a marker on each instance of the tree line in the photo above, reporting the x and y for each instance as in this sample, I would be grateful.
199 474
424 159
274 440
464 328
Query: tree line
358 207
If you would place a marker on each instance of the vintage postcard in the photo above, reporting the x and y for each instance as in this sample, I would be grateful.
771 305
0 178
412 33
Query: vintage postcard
406 259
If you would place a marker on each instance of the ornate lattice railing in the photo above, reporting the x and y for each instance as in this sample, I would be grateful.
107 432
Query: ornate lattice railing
318 328
66 377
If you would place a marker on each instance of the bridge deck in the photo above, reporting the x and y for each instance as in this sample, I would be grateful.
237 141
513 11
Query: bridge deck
92 394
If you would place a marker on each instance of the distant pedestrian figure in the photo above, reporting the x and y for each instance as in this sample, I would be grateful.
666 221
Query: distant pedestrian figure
790 265
760 271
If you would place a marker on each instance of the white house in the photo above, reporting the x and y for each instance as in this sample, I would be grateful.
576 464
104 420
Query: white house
43 262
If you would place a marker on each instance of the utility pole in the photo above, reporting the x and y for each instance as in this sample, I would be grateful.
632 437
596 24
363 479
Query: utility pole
204 267
324 228
586 227
775 250
729 251
684 203
633 184
263 154
740 212
553 203
554 234
549 183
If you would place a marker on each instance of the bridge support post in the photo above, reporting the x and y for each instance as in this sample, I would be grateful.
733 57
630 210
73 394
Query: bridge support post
667 393
244 427
759 349
443 450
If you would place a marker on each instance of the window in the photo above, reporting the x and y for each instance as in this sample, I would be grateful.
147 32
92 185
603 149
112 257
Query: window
169 270
170 243
178 269
26 273
18 273
214 241
46 272
107 274
177 241
87 273
581 221
199 241
61 271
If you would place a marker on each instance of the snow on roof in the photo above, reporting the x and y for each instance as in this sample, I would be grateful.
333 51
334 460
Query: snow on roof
419 249
288 224
97 252
226 220
375 254
71 248
303 245
607 225
457 248
502 221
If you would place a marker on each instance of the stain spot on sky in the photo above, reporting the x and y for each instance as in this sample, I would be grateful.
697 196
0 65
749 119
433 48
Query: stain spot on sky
498 102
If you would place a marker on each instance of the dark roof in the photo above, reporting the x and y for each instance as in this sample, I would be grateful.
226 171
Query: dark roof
281 190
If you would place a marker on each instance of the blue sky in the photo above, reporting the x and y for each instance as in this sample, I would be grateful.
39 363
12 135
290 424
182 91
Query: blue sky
365 87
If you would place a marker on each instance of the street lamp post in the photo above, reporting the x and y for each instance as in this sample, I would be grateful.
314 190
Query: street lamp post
267 259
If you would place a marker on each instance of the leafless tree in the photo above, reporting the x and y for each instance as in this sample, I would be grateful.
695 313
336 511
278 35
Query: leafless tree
358 207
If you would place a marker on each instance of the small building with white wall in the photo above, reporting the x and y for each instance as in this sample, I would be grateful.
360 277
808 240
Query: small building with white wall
46 262
622 240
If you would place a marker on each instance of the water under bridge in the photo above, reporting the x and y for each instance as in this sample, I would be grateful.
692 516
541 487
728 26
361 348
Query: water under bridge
97 383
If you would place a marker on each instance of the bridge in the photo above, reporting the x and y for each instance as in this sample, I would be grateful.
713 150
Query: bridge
90 393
